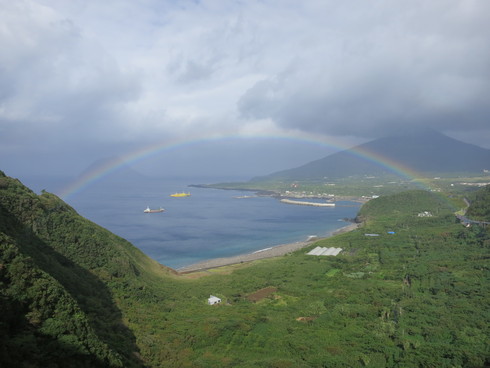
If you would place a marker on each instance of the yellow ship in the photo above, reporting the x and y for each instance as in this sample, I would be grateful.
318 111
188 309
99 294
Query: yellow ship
180 195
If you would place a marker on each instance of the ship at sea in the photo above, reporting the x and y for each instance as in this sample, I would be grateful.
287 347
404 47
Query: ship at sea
148 210
182 194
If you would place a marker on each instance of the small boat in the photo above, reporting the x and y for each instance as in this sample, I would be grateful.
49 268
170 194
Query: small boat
182 194
148 210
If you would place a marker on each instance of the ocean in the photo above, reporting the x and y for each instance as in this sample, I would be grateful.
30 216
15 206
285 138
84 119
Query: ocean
211 223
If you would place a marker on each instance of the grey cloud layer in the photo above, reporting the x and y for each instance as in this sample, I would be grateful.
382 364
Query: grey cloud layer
53 78
119 72
388 67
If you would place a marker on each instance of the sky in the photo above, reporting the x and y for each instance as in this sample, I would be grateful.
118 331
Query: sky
85 80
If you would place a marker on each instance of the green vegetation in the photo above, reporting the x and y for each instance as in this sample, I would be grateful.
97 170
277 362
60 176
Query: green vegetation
416 295
357 186
479 208
57 274
363 186
406 206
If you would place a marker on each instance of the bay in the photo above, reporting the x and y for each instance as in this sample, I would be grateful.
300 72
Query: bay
211 223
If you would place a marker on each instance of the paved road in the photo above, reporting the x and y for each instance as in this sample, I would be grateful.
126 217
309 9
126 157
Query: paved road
466 220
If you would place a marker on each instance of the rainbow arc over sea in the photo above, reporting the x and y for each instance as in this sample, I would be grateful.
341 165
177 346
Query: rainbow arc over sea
110 166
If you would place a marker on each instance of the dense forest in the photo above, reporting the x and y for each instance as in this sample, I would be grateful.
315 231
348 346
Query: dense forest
56 274
411 288
479 208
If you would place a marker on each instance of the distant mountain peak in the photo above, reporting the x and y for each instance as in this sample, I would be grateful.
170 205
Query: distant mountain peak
424 151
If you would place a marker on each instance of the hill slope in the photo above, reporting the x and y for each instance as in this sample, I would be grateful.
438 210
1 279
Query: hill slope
430 152
54 270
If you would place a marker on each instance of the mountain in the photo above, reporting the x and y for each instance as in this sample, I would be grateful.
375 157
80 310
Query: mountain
427 153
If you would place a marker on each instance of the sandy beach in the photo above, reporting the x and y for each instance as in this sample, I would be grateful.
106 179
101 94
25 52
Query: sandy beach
275 251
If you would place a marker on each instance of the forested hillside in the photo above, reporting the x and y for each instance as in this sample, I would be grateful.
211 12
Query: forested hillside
406 291
479 208
55 267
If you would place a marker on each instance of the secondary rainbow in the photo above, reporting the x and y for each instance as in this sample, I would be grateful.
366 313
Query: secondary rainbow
147 151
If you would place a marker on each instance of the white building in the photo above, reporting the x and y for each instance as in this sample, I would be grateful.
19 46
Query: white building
322 251
213 300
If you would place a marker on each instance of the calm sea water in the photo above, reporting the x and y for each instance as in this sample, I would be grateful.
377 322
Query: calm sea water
209 224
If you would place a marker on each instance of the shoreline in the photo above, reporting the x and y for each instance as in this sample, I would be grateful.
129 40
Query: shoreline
269 252
279 195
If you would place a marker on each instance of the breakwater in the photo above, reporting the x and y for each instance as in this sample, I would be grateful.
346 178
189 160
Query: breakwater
303 203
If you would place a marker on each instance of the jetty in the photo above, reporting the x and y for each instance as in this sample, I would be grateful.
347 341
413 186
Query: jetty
303 203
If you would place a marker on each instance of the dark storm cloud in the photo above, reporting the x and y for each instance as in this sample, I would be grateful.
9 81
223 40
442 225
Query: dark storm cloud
418 66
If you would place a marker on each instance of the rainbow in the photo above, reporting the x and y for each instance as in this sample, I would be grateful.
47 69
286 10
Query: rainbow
150 150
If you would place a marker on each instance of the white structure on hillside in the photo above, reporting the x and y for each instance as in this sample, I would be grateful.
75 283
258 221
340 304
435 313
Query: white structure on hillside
213 300
322 251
